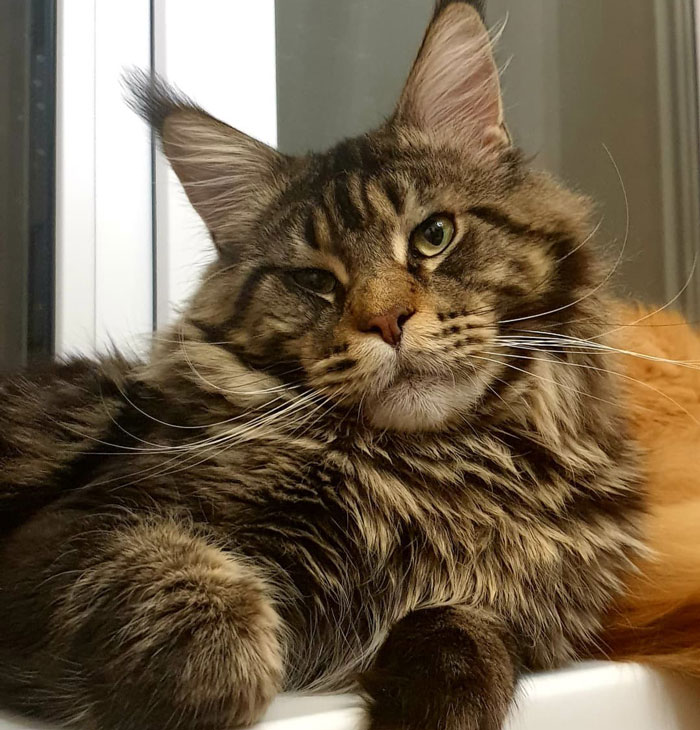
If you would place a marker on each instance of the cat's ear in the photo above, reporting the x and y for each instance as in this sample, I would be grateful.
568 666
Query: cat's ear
228 176
453 91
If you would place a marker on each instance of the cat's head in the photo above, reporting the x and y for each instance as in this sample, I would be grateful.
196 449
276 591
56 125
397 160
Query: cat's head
383 271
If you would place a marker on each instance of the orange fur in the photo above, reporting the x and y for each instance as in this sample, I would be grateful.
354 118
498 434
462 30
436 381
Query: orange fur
658 620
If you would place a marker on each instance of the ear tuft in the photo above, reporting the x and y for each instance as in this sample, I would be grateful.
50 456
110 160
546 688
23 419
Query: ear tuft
153 99
228 176
478 5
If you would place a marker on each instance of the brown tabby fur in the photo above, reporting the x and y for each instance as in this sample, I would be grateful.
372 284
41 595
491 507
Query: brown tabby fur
658 620
278 499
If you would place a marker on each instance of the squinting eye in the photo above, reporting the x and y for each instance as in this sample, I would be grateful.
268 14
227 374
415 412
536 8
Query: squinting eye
318 281
433 236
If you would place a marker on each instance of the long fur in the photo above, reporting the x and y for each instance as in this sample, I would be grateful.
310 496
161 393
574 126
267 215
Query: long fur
281 497
658 620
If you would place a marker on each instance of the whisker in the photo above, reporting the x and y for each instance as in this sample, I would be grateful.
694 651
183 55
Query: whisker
188 359
665 306
175 425
239 437
608 372
557 340
152 471
588 238
544 379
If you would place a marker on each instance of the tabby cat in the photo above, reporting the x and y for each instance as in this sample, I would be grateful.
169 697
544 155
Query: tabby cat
344 466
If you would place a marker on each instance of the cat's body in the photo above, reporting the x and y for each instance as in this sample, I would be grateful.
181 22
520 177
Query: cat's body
350 530
384 440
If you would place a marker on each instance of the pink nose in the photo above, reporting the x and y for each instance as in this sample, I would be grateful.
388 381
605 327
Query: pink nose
388 325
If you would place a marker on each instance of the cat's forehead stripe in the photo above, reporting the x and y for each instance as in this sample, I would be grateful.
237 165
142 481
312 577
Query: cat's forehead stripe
394 195
386 198
350 213
311 233
399 247
355 202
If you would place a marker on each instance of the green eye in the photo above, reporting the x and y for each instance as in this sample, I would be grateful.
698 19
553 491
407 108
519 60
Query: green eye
433 236
318 281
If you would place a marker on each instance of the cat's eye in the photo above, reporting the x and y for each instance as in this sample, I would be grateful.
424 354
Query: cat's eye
318 281
433 236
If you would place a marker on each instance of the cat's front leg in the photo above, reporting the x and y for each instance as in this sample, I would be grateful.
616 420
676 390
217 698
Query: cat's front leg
447 668
134 624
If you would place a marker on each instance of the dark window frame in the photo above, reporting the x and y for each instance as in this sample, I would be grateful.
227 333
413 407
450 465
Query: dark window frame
28 159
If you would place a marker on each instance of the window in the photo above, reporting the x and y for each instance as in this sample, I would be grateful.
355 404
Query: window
303 74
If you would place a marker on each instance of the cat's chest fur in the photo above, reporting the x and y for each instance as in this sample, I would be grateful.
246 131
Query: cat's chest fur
504 523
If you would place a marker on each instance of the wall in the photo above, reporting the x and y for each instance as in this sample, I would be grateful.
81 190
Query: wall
341 66
587 75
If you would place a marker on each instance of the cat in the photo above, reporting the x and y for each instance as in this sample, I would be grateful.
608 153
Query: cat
351 462
657 619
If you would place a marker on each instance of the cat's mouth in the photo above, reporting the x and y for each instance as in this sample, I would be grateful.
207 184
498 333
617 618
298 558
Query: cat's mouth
416 380
414 387
417 369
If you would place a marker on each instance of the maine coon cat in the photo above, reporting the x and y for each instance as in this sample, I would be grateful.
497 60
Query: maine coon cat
341 466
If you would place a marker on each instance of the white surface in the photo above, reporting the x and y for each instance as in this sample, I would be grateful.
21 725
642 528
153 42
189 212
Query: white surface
103 175
607 697
123 261
222 54
589 697
75 177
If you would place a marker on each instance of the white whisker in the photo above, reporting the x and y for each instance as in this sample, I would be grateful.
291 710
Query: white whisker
607 371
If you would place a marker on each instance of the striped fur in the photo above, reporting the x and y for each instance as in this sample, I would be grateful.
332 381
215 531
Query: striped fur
280 499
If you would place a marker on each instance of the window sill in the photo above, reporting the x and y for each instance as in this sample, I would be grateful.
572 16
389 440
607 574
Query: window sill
587 697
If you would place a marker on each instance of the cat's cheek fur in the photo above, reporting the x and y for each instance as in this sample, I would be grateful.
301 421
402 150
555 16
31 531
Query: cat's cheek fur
357 370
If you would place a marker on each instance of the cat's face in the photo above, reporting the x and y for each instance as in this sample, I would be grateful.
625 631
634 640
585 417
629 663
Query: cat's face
382 273
384 269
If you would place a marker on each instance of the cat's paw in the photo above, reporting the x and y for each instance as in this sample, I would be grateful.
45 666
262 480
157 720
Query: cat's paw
440 669
188 639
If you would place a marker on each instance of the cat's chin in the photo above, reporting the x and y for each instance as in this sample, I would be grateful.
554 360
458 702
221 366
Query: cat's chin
419 405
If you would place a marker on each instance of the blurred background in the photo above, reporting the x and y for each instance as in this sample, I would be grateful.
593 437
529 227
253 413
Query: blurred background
97 242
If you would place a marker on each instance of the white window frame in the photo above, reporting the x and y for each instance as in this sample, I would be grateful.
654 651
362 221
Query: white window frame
222 54
103 246
118 274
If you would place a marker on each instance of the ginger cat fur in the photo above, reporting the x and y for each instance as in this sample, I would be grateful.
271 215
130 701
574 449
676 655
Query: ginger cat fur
658 620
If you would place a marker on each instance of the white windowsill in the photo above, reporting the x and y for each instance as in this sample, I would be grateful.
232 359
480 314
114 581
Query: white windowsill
589 697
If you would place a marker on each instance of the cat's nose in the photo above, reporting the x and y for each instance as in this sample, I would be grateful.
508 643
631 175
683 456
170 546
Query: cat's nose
389 325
